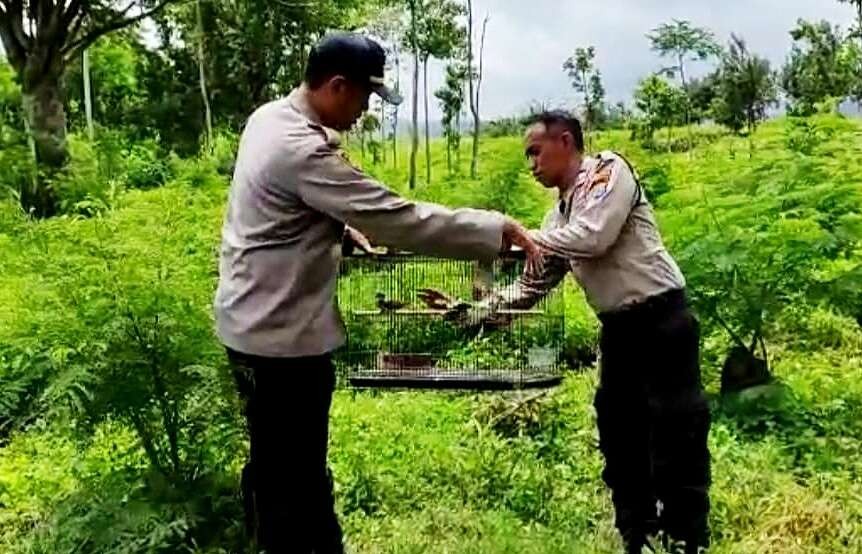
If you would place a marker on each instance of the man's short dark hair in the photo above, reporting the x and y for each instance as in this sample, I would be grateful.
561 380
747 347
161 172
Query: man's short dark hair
561 120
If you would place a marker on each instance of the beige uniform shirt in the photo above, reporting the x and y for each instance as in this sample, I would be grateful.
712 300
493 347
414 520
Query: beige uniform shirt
292 193
603 230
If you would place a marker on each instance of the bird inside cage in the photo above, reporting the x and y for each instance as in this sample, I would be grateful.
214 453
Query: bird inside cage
386 305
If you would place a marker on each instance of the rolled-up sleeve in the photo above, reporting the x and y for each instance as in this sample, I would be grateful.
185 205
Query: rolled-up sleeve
530 286
597 226
329 184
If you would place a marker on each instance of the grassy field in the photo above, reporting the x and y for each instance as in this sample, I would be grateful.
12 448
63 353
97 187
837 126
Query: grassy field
419 472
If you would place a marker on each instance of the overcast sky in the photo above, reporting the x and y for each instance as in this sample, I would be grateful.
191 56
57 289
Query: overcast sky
528 40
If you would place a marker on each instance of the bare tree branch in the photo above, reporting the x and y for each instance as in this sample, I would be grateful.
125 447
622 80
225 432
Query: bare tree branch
75 47
14 49
15 20
71 11
481 58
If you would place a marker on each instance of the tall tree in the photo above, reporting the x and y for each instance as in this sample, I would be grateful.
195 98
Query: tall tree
208 115
390 26
474 82
255 49
88 95
41 39
659 103
701 94
439 36
683 42
587 81
856 85
822 64
414 7
451 97
746 88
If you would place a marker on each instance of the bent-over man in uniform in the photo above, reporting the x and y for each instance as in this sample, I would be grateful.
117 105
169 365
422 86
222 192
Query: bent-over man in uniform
653 418
291 196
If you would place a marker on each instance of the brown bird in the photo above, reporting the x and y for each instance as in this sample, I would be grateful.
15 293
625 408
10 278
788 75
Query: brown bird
388 305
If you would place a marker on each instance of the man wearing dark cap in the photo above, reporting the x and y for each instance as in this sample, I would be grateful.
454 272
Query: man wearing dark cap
292 196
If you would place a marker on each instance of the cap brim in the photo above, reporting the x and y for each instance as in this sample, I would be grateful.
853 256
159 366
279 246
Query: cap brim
387 94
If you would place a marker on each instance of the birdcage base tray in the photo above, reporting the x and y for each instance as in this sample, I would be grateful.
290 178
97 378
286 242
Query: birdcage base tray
450 380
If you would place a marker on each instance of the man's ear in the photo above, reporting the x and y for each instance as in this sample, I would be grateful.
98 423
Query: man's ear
567 139
338 83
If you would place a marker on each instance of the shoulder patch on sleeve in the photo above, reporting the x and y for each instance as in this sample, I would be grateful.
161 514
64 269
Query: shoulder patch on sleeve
602 173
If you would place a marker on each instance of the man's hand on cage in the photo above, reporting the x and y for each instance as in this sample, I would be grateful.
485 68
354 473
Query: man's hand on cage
515 234
353 238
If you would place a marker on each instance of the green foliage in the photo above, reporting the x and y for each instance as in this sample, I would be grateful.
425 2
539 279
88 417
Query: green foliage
439 33
822 64
587 80
804 136
683 42
659 104
451 97
745 88
121 432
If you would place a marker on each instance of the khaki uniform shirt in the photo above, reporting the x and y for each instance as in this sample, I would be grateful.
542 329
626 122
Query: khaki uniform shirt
291 195
603 230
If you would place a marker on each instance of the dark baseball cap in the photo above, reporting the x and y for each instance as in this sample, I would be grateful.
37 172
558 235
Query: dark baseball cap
354 56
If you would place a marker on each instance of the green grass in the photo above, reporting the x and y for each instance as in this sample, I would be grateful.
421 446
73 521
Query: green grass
428 472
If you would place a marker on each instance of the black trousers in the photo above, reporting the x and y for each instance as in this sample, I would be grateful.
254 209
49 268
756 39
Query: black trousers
653 421
286 486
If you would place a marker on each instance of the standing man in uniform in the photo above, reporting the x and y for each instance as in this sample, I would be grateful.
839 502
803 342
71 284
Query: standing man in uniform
652 415
292 194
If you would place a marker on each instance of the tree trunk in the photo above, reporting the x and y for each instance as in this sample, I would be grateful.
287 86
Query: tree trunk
88 96
449 151
396 111
687 106
457 141
427 131
383 131
46 118
474 103
414 138
470 88
208 117
587 112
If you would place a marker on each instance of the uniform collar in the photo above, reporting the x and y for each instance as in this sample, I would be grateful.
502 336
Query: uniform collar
565 200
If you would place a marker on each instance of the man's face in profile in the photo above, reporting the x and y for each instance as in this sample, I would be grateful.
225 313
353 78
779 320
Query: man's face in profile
349 100
549 152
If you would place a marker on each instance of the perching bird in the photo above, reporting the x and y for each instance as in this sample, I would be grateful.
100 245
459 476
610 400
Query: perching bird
388 305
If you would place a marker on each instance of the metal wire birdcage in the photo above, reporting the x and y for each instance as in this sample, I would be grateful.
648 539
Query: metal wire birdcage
396 341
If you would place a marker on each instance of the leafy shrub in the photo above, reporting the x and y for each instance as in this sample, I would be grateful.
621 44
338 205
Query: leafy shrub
146 166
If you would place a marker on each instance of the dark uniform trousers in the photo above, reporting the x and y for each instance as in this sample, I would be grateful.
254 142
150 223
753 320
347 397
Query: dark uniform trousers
653 421
286 485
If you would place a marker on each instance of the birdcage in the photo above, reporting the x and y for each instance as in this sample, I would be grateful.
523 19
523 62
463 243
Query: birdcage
395 340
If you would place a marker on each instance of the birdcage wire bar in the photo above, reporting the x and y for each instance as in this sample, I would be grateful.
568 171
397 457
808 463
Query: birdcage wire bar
396 341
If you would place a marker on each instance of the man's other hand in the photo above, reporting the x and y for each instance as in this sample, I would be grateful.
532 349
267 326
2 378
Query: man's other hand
353 238
515 234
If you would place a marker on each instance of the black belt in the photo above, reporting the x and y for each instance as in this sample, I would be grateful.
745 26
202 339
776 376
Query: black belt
653 306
